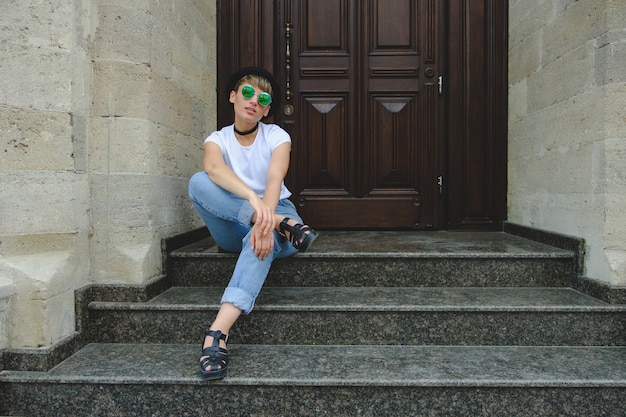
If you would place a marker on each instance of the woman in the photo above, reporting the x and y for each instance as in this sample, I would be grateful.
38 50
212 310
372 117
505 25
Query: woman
242 198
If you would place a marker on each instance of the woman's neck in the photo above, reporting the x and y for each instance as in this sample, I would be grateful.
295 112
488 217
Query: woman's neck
247 130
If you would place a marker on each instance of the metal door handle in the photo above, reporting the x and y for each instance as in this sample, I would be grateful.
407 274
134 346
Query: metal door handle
288 109
288 60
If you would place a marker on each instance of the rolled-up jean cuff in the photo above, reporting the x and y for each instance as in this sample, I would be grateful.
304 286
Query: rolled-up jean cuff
239 298
245 214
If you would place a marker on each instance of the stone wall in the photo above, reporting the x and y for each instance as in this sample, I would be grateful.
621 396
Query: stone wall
567 125
103 107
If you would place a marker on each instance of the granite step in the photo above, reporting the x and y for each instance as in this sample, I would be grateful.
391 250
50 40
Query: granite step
372 315
288 380
391 259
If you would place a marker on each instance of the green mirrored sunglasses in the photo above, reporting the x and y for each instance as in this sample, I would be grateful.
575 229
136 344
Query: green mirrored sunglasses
264 99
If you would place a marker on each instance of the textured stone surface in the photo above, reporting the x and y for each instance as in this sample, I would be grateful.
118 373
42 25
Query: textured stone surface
420 259
566 125
161 380
330 315
92 90
345 350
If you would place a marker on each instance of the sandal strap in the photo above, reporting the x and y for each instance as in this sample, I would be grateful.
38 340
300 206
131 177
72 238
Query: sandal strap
216 357
214 360
217 335
295 231
285 226
219 353
300 235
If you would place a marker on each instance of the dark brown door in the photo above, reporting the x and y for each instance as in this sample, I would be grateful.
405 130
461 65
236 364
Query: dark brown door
371 124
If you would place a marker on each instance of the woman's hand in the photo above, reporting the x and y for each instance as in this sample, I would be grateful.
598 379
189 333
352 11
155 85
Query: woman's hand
263 217
262 243
262 238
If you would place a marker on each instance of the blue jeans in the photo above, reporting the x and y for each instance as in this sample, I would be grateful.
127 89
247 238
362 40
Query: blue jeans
229 219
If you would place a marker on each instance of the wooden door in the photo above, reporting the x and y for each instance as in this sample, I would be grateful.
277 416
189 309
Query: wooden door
370 122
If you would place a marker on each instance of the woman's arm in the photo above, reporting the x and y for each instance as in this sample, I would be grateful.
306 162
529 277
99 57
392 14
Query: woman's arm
263 241
279 164
222 175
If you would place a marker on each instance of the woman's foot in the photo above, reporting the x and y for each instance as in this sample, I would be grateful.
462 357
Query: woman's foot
301 236
214 360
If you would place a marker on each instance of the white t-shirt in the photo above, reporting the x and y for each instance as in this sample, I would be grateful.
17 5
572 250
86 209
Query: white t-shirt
250 163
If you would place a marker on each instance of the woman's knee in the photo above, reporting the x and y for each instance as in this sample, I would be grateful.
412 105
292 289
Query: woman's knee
193 183
199 184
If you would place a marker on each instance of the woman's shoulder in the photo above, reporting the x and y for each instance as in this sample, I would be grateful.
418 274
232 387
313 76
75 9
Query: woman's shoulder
221 135
273 130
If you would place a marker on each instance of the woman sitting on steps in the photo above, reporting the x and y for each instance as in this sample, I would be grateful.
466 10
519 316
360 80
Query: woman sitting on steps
242 198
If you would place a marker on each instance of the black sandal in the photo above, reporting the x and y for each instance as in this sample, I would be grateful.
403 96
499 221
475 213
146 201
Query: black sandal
301 236
215 364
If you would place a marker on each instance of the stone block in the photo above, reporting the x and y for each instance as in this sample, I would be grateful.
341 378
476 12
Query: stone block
36 77
525 59
130 213
615 225
518 96
33 202
134 91
562 171
565 125
43 311
123 145
615 110
124 33
41 24
180 156
615 230
7 291
577 24
127 264
162 52
170 105
613 169
527 18
562 79
35 140
189 73
610 62
523 146
206 9
616 258
28 244
576 121
201 120
121 89
615 15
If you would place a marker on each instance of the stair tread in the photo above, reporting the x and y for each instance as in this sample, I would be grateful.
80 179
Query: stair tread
380 299
396 244
492 366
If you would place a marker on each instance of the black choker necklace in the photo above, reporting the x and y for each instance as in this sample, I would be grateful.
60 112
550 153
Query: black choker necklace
247 132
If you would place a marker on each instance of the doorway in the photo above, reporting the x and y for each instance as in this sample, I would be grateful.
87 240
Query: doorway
394 107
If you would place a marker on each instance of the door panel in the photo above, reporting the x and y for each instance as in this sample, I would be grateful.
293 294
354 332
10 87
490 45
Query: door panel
477 110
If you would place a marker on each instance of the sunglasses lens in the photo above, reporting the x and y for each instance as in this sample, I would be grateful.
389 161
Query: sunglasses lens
265 99
247 91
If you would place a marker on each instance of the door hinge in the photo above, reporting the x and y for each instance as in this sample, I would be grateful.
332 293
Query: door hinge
440 82
440 184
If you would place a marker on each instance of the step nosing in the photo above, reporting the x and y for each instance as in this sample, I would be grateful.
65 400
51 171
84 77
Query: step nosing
335 365
23 377
392 255
132 306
